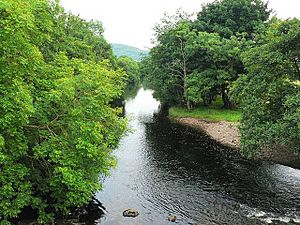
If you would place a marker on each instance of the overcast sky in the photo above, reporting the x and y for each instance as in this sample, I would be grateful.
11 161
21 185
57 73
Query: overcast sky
131 21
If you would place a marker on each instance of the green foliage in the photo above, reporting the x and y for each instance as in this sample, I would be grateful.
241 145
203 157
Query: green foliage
270 91
217 65
230 17
133 72
191 67
235 22
232 46
57 127
164 84
57 31
132 52
166 69
132 69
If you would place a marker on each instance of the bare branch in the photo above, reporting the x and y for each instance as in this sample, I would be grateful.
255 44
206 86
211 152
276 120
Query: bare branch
179 85
179 73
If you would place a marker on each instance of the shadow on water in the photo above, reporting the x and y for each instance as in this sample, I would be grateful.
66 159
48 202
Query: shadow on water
212 184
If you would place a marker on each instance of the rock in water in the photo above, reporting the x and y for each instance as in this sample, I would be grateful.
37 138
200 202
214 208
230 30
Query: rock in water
130 213
172 218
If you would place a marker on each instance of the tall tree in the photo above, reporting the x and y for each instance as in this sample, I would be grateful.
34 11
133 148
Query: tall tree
198 65
170 58
230 17
71 34
270 92
235 21
57 127
216 64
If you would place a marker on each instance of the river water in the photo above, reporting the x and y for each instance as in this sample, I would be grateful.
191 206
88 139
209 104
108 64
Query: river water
167 169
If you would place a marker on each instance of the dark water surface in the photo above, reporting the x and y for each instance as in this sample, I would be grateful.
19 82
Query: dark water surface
165 168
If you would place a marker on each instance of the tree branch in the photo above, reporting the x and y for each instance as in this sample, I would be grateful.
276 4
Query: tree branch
45 127
297 67
179 73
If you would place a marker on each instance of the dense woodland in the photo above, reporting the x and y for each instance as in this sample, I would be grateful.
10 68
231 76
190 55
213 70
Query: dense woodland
57 124
59 81
235 51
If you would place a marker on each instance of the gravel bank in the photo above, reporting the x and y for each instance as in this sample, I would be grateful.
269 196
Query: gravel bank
226 133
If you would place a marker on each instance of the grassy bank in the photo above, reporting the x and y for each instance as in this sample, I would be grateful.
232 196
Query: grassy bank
213 113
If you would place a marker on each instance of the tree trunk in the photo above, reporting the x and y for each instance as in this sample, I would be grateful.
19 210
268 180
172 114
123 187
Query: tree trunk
189 105
226 100
184 68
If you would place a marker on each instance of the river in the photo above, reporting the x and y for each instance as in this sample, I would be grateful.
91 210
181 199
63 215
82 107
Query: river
167 169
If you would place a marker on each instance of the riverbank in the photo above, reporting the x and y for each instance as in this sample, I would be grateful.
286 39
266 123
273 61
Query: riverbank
227 133
218 123
224 132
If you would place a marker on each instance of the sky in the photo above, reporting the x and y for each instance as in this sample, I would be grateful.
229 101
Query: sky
131 22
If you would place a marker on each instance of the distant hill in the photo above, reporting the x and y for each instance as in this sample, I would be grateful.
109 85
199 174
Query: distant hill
125 50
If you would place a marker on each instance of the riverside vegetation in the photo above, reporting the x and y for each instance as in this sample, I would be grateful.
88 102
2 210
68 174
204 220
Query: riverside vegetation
213 112
236 52
57 124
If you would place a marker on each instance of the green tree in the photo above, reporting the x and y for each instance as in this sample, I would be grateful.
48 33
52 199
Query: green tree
19 60
169 59
235 21
71 34
270 92
132 69
230 17
216 64
57 127
193 67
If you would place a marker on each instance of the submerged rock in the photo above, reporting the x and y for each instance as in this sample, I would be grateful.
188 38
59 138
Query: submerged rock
130 213
172 218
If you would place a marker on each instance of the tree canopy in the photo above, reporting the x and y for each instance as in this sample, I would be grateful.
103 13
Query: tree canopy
270 90
57 127
132 69
230 17
194 64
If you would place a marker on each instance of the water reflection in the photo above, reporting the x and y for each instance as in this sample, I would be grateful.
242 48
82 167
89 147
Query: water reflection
164 168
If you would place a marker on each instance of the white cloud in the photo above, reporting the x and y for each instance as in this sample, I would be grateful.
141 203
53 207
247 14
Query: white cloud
131 21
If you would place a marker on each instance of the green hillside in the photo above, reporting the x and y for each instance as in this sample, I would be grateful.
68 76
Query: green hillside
125 50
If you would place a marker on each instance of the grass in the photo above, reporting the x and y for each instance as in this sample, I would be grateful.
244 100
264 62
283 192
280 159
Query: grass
215 112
